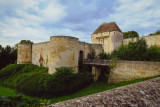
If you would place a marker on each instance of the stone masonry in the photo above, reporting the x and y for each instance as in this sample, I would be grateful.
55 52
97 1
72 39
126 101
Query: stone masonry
143 94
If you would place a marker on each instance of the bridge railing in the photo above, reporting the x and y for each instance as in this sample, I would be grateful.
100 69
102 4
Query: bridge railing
96 62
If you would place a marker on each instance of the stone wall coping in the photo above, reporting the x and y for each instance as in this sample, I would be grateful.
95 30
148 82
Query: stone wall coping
62 36
140 37
41 42
142 94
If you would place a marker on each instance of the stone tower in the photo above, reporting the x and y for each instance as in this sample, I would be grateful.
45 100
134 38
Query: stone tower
24 55
109 35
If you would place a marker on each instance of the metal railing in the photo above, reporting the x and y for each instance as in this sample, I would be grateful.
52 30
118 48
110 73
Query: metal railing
96 62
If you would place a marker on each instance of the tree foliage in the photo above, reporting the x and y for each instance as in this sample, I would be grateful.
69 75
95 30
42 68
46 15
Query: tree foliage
135 51
8 55
138 51
104 55
153 53
132 51
130 34
92 55
26 42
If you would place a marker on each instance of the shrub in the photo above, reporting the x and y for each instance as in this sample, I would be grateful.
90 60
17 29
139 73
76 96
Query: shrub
132 51
121 52
31 80
17 101
104 78
153 53
104 55
104 74
33 86
66 82
62 82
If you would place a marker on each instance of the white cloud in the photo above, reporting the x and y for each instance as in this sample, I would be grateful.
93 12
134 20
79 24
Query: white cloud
37 20
53 12
24 24
136 14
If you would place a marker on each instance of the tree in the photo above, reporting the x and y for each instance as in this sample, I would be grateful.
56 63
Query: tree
133 51
8 55
130 34
104 55
26 42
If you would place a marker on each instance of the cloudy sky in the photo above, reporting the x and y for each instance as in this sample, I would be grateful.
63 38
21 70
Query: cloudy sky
37 20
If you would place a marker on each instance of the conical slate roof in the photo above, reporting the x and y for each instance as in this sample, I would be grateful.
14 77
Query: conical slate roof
105 27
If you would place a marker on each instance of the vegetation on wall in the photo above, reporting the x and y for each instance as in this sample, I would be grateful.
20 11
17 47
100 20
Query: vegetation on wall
155 33
26 42
130 34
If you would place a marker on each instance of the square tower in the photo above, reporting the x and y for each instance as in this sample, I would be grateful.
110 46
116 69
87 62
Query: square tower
109 35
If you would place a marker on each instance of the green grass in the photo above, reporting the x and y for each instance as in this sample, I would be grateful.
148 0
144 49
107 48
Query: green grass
95 87
7 92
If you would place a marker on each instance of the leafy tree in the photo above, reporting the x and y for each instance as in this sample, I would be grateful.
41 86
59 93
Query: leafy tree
8 55
133 51
104 55
26 42
153 53
130 34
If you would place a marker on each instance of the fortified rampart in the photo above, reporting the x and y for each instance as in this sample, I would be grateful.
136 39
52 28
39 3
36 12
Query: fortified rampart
151 40
131 70
58 52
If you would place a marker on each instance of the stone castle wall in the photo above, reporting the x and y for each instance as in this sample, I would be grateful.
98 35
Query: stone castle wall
40 54
130 70
151 40
58 52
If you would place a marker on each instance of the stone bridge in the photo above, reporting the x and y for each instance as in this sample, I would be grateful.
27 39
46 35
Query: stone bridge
97 66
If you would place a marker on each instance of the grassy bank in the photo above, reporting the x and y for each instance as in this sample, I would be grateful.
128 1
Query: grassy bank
94 87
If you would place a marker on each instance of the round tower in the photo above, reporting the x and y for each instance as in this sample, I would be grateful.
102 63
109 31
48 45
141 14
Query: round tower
63 52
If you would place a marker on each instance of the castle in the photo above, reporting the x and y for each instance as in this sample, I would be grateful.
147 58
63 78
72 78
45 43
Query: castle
65 50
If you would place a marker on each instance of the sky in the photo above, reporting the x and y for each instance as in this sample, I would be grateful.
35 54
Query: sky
37 20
